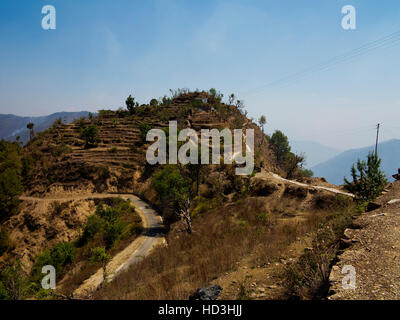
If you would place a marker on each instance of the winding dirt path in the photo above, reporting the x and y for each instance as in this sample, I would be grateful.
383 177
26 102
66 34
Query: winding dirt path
133 253
268 175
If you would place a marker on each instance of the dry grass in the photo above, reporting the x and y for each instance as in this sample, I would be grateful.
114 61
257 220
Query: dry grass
221 239
308 278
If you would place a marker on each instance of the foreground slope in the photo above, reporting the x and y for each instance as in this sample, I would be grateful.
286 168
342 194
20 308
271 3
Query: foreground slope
374 252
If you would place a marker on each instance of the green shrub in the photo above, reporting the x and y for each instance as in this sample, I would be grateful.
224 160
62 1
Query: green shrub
108 214
144 128
306 173
61 255
60 150
93 226
112 232
107 222
154 102
98 254
113 150
90 135
106 113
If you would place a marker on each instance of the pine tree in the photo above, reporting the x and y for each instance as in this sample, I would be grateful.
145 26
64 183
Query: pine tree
369 182
131 104
280 145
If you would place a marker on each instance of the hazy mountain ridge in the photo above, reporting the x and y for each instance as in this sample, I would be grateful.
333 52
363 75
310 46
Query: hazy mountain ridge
12 126
315 152
335 169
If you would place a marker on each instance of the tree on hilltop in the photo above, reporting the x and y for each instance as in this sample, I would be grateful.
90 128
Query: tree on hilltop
131 104
280 145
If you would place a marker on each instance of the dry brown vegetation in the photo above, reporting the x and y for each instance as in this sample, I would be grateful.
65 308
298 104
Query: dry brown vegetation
221 239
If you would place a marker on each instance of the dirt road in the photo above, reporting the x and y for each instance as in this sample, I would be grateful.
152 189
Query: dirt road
133 253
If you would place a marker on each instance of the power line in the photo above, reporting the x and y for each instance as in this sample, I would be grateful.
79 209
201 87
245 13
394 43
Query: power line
352 131
355 52
387 41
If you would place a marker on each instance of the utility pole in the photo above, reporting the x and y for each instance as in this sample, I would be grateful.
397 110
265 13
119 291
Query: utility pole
377 135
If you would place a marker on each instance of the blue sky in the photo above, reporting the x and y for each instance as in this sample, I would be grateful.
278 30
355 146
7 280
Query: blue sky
102 51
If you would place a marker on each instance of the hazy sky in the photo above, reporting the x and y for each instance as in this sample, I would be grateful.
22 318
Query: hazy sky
103 50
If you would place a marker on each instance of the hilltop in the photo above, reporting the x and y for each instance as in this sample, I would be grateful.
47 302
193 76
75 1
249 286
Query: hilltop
59 162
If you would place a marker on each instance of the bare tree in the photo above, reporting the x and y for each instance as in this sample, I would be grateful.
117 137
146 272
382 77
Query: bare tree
184 211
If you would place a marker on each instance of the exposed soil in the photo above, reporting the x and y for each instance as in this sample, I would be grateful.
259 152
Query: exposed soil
374 253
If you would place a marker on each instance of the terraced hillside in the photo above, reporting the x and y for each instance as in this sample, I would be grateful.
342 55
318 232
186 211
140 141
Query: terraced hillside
59 162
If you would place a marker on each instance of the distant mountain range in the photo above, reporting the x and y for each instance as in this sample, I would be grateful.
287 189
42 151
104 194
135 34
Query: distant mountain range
336 168
12 126
315 152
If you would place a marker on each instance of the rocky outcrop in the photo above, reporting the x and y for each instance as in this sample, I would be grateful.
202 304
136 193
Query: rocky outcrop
207 293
